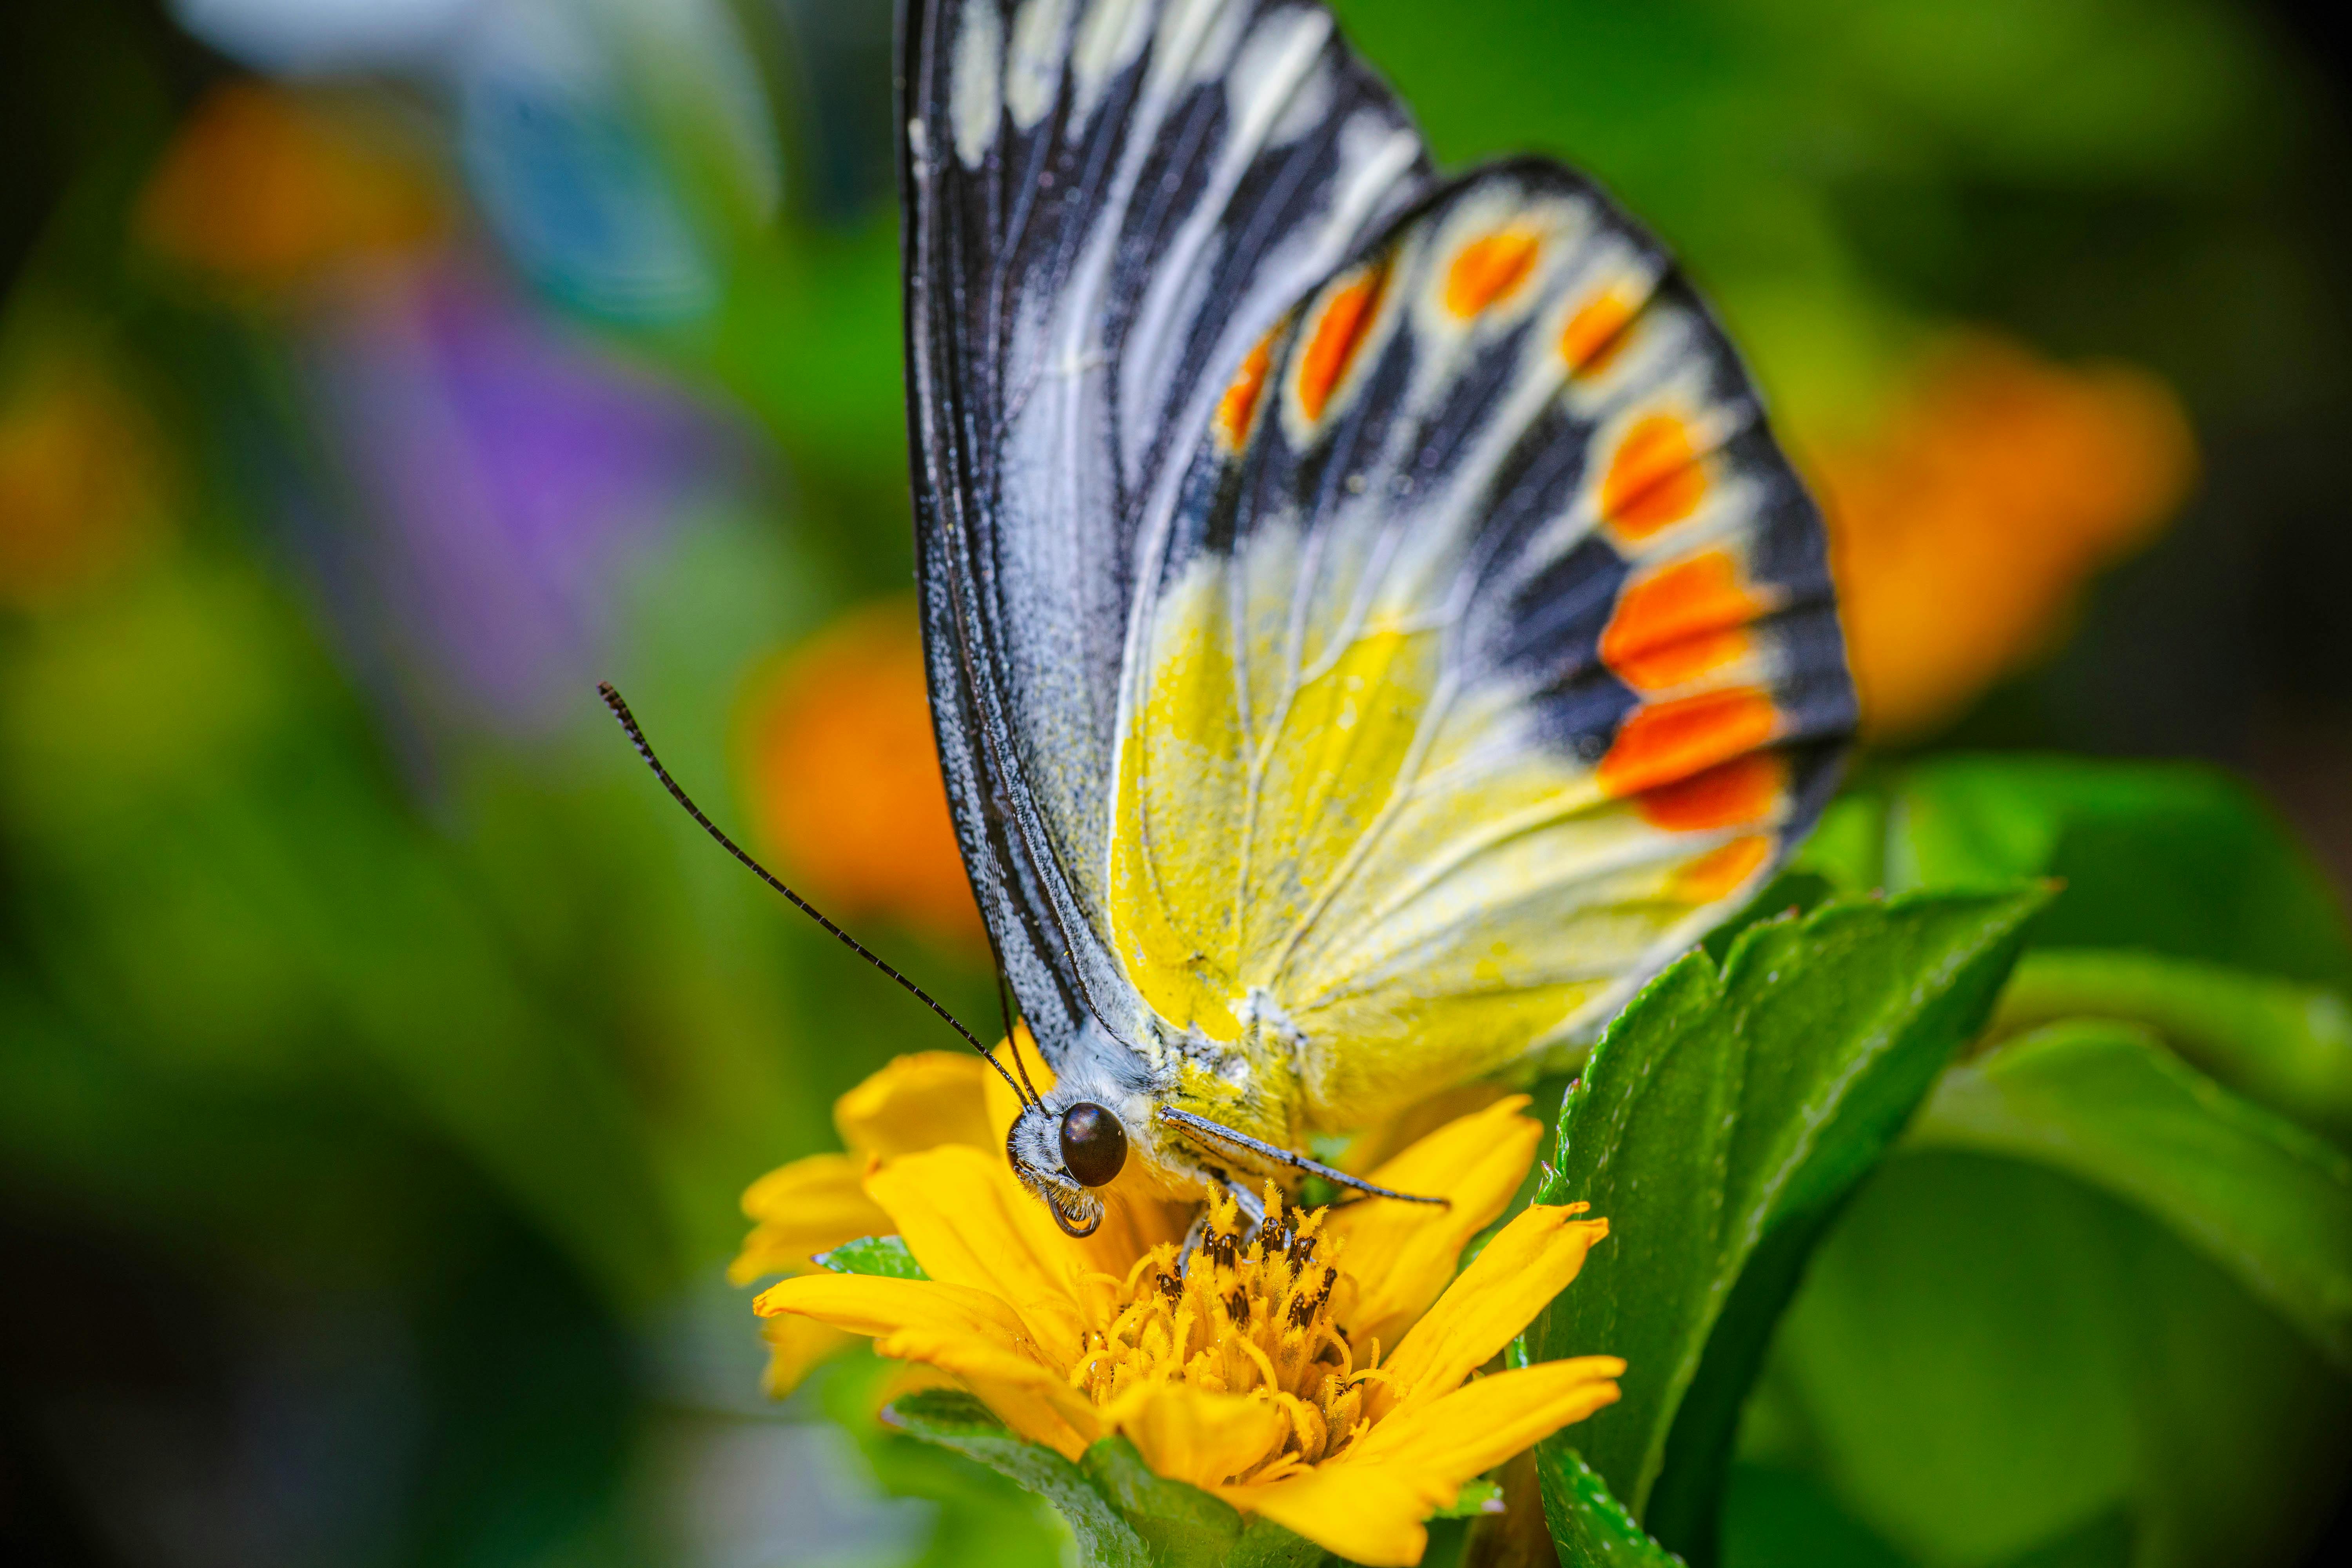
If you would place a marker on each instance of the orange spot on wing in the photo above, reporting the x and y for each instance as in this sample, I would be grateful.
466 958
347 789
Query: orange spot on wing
1488 269
1240 401
1592 336
1667 742
1338 332
1720 871
1673 626
1655 480
1728 795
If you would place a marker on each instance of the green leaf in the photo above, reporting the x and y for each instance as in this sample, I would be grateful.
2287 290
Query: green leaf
1848 846
1721 1121
980 1518
1776 1517
2103 1541
2282 1046
1475 1498
1123 1515
2105 1102
2172 858
958 1421
1984 1353
1182 1526
1791 892
1588 1525
884 1257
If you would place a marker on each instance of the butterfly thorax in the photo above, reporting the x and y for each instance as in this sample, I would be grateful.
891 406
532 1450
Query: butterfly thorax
1249 1083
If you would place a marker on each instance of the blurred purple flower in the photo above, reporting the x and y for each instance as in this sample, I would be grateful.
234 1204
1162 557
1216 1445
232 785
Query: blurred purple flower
503 476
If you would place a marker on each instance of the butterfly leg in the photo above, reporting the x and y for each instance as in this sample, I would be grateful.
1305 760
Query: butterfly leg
1205 1131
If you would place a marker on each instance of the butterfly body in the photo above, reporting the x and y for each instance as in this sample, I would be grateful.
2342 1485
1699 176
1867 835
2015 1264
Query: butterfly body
1371 625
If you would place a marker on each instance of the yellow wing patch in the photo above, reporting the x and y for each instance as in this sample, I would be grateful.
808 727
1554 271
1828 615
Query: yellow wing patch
1332 876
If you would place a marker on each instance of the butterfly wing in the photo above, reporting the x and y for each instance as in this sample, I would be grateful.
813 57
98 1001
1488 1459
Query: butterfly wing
1371 626
1493 660
1106 205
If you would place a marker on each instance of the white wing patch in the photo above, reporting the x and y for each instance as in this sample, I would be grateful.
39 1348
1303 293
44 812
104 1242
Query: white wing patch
1109 39
1032 75
976 99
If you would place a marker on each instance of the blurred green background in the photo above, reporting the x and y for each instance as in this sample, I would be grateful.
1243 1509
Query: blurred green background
382 1056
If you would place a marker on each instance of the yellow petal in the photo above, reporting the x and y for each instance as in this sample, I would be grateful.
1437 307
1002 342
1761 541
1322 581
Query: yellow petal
1529 1261
1193 1434
795 1344
1377 1145
1367 1504
1481 1423
868 1304
918 1102
1032 1400
969 1223
971 1334
1367 1513
1403 1253
805 1207
1032 1405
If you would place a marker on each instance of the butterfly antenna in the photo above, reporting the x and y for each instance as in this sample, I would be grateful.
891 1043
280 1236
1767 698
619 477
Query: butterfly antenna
1012 1040
644 749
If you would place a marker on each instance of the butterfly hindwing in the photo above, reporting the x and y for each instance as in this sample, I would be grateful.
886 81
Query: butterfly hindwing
1494 655
1373 626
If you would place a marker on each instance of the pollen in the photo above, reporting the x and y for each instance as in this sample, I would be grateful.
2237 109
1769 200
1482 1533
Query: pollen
1256 1317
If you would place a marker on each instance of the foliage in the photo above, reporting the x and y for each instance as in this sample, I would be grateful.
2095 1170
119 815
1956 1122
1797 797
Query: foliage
1722 1122
2138 1169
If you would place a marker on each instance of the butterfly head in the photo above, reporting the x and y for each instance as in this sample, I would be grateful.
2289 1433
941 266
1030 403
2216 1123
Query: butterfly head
1063 1150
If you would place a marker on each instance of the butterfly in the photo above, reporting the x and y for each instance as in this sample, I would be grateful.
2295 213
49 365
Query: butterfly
1369 625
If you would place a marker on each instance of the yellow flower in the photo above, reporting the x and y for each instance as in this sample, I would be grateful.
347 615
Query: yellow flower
1321 1375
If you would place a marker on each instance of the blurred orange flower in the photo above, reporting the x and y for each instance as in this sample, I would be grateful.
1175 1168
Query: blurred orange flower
83 480
266 189
845 777
1964 529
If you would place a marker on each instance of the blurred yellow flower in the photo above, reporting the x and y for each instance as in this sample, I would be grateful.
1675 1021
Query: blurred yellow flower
1314 1374
1964 529
263 188
845 777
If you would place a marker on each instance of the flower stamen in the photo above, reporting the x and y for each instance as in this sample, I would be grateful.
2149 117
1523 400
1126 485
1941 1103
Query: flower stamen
1252 1316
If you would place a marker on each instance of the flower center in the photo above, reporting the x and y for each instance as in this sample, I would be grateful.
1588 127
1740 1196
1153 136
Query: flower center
1253 1318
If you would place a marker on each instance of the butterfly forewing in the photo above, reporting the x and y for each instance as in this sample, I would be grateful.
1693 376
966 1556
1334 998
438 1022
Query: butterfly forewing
1372 625
1105 204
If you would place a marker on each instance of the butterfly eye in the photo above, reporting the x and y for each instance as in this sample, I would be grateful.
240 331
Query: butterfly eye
1094 1145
